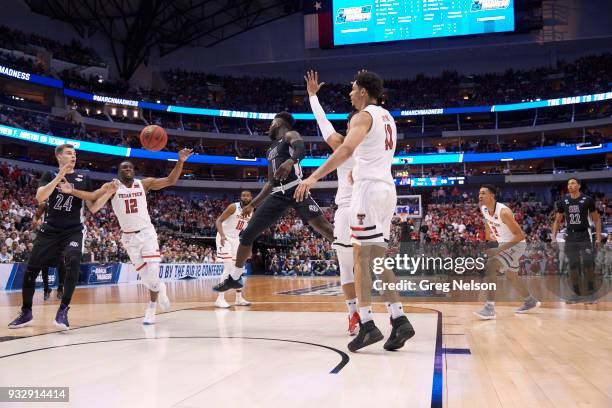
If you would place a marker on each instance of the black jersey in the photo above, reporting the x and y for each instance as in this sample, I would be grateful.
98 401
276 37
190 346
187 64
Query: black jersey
576 212
64 212
278 153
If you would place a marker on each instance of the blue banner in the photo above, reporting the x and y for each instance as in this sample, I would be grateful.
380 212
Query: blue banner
189 271
90 274
50 140
99 274
117 100
417 159
26 76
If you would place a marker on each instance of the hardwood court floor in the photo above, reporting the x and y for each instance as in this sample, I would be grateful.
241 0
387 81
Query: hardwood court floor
559 356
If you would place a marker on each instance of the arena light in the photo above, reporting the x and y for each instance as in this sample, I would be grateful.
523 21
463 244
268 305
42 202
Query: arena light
506 159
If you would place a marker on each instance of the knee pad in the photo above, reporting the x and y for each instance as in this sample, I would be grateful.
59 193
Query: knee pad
345 261
150 276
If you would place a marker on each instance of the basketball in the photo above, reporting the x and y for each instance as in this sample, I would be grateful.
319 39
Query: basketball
153 138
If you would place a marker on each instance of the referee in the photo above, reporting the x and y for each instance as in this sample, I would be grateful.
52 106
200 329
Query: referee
576 208
62 232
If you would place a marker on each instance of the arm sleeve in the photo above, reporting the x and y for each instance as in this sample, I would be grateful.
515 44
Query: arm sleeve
327 129
45 179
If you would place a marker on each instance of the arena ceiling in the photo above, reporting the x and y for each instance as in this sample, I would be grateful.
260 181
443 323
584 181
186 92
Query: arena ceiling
133 27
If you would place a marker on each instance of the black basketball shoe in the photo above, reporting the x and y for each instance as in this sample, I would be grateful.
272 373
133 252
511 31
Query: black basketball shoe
368 334
227 284
402 330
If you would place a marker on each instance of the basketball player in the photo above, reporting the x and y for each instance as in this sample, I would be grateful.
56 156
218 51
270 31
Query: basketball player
575 208
62 231
502 229
138 236
276 197
371 140
342 230
61 265
229 225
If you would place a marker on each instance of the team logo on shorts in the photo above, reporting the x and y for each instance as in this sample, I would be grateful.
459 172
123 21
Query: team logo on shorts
313 208
74 244
360 217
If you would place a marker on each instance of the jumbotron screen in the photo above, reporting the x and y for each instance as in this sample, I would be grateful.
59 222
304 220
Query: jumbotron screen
370 21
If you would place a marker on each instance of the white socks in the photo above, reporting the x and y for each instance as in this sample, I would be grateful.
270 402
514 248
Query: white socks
351 304
237 272
365 314
396 310
152 305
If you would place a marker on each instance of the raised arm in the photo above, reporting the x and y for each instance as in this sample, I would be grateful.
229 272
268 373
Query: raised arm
331 137
171 179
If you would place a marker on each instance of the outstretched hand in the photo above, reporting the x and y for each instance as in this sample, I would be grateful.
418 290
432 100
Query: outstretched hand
312 82
184 154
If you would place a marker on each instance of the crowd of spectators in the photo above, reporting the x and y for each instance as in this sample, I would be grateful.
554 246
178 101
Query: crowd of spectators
182 224
186 227
73 51
586 75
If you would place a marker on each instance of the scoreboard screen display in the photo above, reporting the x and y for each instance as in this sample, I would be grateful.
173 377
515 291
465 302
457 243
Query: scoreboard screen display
370 21
435 181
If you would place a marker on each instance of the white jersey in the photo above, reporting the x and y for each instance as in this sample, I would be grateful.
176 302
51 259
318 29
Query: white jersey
374 156
235 223
500 231
130 207
345 189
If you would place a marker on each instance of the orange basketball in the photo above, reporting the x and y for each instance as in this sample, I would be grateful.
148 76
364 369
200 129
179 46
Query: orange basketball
153 138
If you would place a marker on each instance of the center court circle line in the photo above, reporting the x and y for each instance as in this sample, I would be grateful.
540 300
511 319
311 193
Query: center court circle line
344 357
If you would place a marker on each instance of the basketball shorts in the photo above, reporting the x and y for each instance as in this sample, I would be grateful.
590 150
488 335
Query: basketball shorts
510 258
342 227
372 207
227 251
141 246
48 247
273 208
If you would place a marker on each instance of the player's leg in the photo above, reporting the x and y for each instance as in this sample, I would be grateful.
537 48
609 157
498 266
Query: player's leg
587 254
344 251
147 245
572 249
72 245
240 299
44 246
225 254
510 259
45 278
492 267
266 215
61 272
372 210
